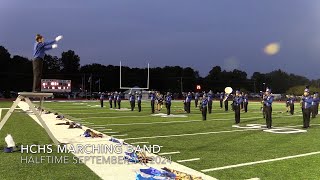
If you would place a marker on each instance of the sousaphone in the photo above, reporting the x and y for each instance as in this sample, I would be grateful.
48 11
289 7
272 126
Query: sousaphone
227 90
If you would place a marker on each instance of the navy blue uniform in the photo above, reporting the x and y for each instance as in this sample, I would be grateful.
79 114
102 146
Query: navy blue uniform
101 99
139 98
221 99
291 104
196 99
132 100
204 104
236 104
210 98
188 103
152 98
242 103
226 105
245 103
268 110
110 100
314 106
118 99
115 99
168 104
306 110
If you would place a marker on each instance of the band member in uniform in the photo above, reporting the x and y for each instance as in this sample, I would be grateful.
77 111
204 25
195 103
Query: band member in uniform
232 106
306 107
203 107
168 103
110 96
188 102
268 99
184 95
101 99
245 102
132 100
196 99
291 104
237 100
115 95
159 101
263 105
118 99
39 51
152 98
210 98
221 99
242 96
287 102
314 105
226 96
139 98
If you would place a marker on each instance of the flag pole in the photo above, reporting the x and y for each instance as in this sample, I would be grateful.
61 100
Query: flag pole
90 86
84 84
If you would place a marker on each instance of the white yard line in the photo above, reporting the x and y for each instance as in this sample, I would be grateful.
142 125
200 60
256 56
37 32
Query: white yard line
113 117
167 153
191 134
188 160
104 129
87 123
115 112
96 125
120 135
140 143
187 121
260 162
0 113
106 132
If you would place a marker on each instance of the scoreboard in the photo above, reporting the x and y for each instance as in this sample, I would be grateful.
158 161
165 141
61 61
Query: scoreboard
55 85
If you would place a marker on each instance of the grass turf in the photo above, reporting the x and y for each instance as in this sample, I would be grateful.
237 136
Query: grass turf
214 149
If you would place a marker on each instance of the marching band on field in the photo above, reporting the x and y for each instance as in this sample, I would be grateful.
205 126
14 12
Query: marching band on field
309 103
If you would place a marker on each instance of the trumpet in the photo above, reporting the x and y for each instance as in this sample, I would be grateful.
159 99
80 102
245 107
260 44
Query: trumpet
228 91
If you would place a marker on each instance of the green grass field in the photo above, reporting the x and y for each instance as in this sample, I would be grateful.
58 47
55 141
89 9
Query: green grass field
214 141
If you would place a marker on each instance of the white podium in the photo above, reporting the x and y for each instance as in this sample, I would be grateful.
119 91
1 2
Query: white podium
26 96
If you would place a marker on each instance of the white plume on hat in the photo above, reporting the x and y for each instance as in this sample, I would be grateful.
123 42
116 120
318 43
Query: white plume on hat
9 141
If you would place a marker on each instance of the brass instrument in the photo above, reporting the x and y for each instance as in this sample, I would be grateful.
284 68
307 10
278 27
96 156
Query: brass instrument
228 91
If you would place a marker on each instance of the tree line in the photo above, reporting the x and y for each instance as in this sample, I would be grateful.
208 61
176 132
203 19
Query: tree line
16 75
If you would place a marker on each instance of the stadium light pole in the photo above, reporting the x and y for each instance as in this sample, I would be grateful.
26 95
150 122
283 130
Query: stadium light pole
264 86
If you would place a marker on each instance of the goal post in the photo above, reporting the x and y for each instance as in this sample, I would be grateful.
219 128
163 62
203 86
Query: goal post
140 88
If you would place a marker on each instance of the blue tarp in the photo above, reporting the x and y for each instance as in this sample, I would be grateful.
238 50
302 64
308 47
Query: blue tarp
131 157
154 174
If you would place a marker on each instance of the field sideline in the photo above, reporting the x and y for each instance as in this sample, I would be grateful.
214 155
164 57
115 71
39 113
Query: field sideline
213 146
